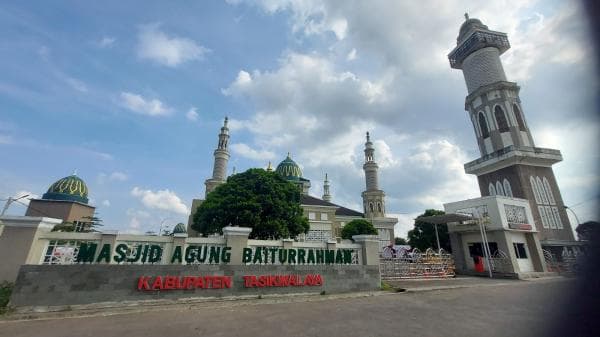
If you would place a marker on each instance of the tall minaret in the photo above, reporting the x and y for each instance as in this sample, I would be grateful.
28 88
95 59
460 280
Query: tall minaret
221 158
326 195
510 164
373 197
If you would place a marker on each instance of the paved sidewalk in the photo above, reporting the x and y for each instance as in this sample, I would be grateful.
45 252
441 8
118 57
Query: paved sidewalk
521 308
459 282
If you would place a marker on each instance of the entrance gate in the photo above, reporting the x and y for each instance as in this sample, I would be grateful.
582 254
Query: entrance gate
414 265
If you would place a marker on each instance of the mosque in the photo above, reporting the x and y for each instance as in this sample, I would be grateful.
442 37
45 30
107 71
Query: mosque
66 199
326 219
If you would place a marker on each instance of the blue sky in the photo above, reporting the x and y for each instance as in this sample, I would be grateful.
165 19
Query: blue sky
132 94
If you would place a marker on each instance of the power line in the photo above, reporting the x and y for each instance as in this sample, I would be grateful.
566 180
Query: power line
583 202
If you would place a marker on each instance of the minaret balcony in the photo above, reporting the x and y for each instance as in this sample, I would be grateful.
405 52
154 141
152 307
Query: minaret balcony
477 40
513 155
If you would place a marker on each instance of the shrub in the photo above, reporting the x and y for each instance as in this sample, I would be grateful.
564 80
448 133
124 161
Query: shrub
5 291
358 227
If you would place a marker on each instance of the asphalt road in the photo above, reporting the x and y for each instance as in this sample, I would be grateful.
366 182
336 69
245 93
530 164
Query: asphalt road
519 308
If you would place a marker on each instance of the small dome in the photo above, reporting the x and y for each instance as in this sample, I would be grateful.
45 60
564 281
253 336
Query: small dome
179 229
289 169
70 188
469 25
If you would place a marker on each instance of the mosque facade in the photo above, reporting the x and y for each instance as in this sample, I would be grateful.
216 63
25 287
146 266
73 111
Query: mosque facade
326 219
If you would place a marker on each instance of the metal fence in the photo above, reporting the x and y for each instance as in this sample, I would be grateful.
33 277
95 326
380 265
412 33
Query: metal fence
414 264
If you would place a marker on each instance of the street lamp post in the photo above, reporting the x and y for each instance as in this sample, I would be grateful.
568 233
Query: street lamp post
572 211
10 201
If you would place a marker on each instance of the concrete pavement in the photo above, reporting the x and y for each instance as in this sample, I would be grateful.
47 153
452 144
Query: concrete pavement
513 308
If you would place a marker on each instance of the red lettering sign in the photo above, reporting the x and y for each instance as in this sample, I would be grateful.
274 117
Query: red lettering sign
168 282
262 281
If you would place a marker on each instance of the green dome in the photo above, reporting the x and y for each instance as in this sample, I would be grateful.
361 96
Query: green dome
70 188
179 229
289 169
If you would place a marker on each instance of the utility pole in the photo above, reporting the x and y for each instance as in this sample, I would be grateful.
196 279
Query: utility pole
9 201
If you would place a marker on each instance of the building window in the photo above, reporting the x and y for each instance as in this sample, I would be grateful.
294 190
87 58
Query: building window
324 216
542 212
557 219
520 251
499 189
507 189
550 217
78 226
548 191
534 189
312 216
492 189
371 207
379 207
519 118
318 235
500 119
483 126
542 191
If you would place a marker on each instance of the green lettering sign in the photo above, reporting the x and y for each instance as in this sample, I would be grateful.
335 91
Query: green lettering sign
86 252
104 254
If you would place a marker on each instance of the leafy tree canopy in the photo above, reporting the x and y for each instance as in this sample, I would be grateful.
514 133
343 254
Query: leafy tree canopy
262 200
586 229
422 236
400 241
358 227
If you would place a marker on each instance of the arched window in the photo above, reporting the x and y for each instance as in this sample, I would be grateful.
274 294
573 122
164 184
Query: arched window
507 189
492 189
499 189
483 126
519 118
548 191
379 207
500 119
542 192
371 207
534 189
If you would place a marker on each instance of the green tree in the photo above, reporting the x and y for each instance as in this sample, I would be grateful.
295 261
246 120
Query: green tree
94 222
422 236
585 230
262 200
400 241
358 227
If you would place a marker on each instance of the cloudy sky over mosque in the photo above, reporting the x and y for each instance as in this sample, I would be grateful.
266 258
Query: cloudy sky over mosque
132 95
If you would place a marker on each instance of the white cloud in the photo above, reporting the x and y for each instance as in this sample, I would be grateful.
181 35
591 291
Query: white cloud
248 152
192 114
114 176
76 84
160 200
155 45
106 42
106 203
141 105
351 55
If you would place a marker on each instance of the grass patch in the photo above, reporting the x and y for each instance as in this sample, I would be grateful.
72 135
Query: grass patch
386 286
5 291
